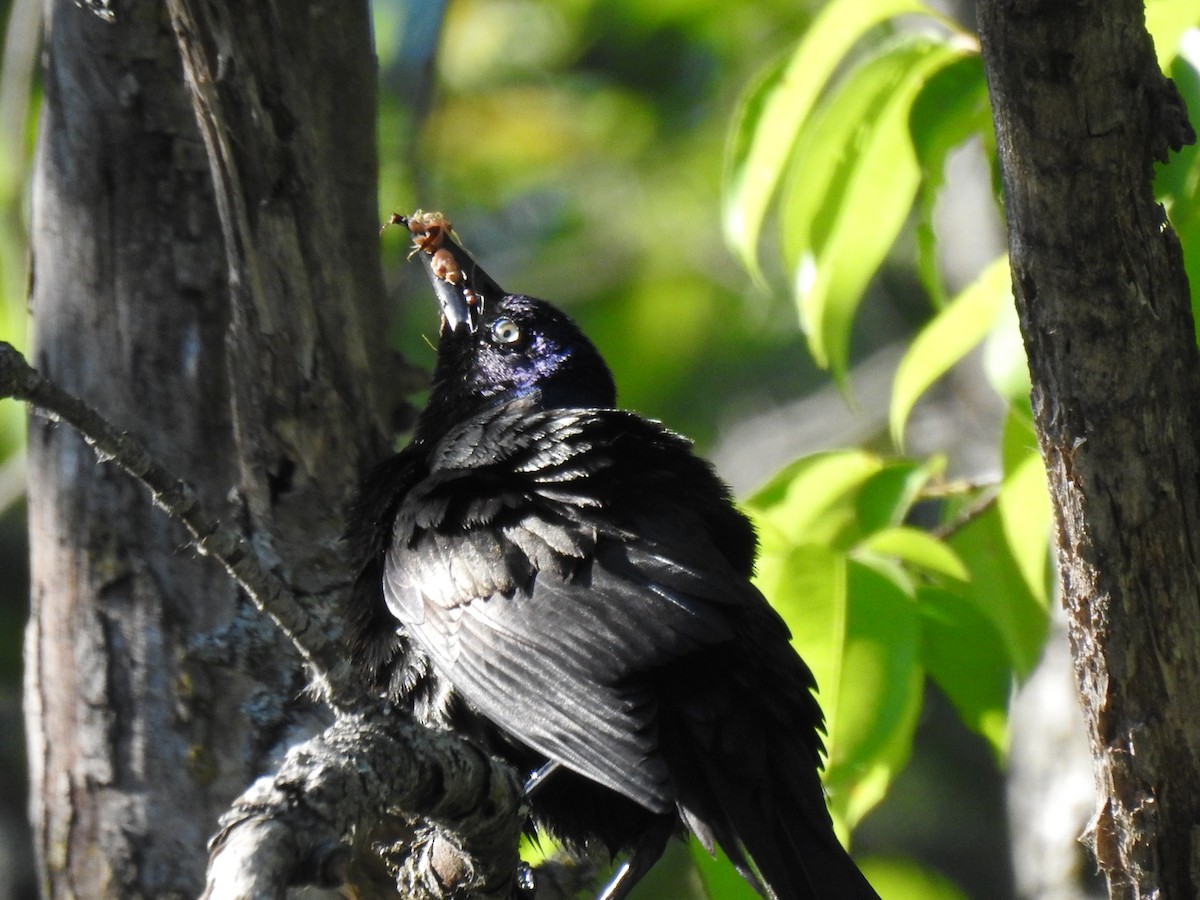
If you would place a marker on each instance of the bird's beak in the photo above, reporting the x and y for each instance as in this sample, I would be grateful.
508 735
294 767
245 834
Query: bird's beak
463 288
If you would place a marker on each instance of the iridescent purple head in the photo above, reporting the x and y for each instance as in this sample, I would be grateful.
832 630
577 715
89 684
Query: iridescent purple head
521 346
495 346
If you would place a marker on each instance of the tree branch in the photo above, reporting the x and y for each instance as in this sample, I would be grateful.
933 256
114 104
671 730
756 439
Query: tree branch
296 826
324 656
301 824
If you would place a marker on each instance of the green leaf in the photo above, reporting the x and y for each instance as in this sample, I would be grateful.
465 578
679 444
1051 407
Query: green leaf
1000 587
916 548
721 880
1023 505
758 149
811 500
947 339
776 107
853 179
1167 20
903 879
857 630
1004 361
951 107
808 587
874 714
886 497
966 656
853 619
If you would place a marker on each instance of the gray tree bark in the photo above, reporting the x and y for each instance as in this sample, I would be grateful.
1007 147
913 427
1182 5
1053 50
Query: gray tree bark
154 692
1082 112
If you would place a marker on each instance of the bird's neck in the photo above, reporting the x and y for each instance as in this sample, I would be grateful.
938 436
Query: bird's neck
451 403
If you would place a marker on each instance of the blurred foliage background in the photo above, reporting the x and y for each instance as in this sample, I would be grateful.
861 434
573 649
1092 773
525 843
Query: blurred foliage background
779 222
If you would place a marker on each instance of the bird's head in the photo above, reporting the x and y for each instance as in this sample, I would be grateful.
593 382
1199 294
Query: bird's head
497 346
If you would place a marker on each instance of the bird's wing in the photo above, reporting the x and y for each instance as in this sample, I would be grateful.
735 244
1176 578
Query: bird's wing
553 658
546 616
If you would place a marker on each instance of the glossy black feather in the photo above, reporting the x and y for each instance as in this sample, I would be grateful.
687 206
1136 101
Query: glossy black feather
568 582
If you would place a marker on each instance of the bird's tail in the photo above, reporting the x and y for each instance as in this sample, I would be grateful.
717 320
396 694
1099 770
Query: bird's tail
814 861
782 841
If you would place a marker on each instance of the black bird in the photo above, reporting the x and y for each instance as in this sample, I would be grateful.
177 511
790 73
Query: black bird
569 584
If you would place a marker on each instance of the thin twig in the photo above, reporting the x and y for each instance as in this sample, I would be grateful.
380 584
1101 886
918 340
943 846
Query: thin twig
959 487
968 515
323 656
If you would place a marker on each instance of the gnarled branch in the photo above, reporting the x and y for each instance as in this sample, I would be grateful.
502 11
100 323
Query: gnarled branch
298 824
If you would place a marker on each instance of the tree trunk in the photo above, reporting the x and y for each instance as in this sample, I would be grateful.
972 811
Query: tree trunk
1081 114
154 692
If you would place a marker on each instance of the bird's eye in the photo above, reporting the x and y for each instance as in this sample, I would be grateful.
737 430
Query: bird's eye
506 331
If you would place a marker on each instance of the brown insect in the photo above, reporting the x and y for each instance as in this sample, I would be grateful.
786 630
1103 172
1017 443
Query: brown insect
428 229
445 266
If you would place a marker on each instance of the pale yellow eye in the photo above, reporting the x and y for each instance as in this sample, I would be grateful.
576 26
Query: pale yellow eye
506 331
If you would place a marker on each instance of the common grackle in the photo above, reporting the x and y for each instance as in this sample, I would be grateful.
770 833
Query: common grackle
569 585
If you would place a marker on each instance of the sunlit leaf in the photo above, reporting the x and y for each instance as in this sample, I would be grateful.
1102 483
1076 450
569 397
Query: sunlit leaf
808 586
946 340
812 499
966 656
886 498
1004 361
759 148
1024 505
872 719
858 631
951 107
903 879
852 183
1167 20
998 587
536 849
776 107
916 548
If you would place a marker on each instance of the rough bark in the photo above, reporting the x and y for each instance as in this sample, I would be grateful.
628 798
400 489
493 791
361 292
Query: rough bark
154 693
340 792
314 820
1082 112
